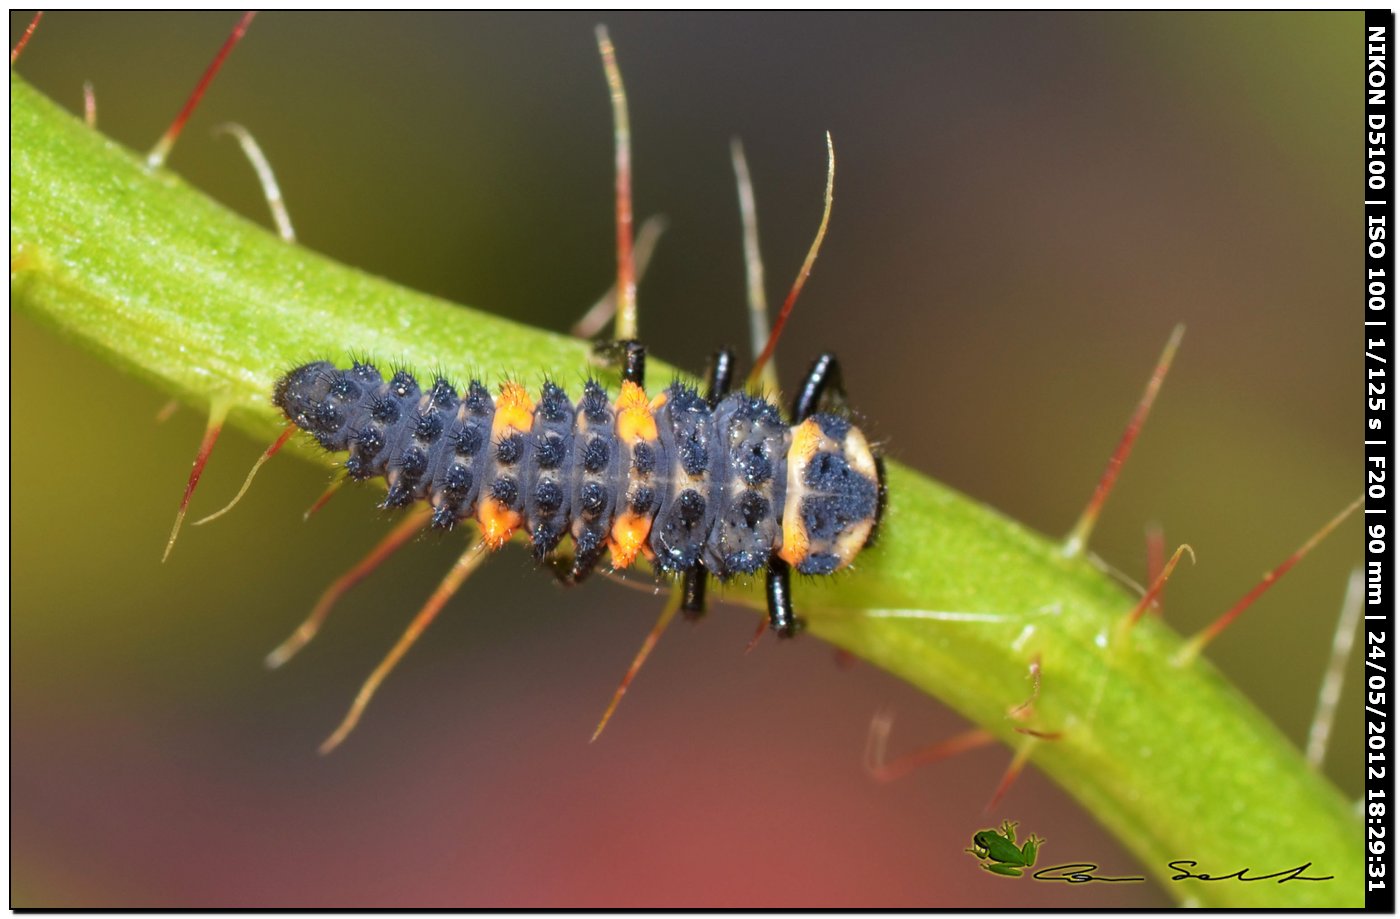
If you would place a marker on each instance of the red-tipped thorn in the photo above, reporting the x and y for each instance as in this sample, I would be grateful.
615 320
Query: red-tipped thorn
757 636
217 413
24 39
89 105
1026 709
1149 599
461 570
1013 772
885 770
602 312
324 499
1205 636
267 454
888 770
668 612
406 530
619 577
1079 537
1156 559
156 158
1039 735
756 373
1023 710
626 327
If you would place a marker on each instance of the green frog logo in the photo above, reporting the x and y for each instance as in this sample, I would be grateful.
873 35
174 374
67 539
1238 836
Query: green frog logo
998 852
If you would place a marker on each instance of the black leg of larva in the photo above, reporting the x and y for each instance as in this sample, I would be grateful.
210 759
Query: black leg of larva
780 615
693 592
720 377
562 569
824 375
629 357
634 362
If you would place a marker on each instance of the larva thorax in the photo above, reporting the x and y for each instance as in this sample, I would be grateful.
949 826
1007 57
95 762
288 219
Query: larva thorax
672 477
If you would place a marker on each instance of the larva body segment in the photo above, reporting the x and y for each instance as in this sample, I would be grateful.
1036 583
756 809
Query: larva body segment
725 488
548 465
686 516
596 461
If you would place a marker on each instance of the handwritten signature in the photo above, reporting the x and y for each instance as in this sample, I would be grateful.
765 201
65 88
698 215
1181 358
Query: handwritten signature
1083 873
1289 874
1075 873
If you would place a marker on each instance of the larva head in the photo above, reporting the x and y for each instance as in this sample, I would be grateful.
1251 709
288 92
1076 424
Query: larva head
303 395
833 495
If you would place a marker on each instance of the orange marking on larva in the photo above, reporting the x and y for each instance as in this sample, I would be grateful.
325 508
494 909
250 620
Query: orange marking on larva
634 414
807 438
628 537
498 522
515 411
795 543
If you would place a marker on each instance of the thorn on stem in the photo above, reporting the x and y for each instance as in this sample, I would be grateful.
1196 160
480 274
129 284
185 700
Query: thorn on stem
757 636
626 327
324 499
1193 647
1023 711
1013 772
461 570
885 770
802 274
668 612
156 158
267 454
1331 690
1156 559
753 265
89 105
217 413
1040 735
1149 599
409 527
1026 710
167 410
600 313
1078 538
24 39
272 192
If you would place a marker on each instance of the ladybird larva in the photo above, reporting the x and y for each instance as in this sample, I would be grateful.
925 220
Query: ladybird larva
726 486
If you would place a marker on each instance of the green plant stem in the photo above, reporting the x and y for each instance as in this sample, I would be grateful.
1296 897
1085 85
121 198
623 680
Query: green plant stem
170 286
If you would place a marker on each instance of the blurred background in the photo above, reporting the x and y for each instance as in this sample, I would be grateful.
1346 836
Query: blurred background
1025 206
